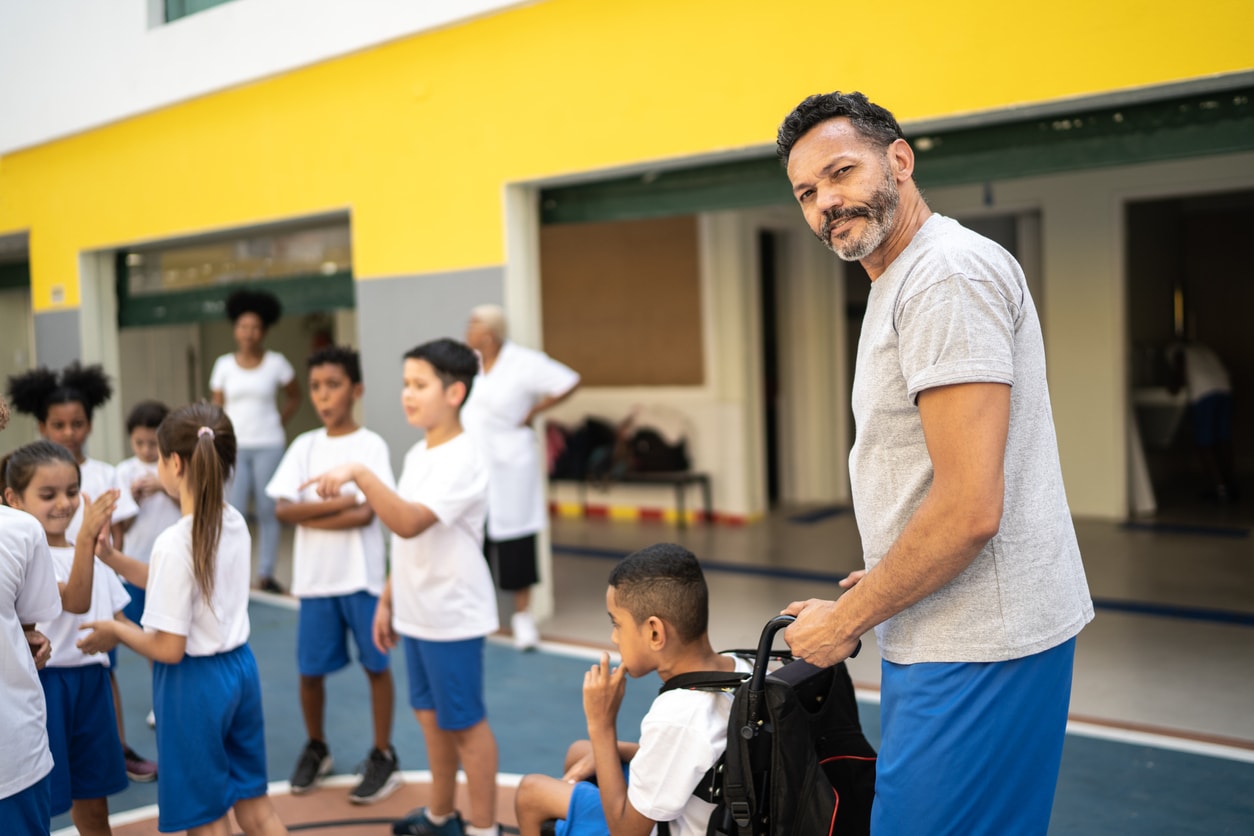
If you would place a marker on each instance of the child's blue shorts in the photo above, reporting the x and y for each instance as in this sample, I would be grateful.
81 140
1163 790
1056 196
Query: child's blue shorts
210 737
585 816
971 748
446 677
87 759
135 609
30 810
324 627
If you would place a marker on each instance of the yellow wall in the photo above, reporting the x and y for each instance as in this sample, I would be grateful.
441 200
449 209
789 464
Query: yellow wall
417 137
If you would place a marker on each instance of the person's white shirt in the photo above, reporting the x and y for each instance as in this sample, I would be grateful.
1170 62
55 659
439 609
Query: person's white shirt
174 603
108 598
96 477
441 587
28 595
683 734
157 511
248 395
499 402
343 561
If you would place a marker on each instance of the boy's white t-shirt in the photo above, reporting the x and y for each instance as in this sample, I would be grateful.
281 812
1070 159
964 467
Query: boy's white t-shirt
174 603
249 398
441 587
681 737
95 478
157 511
333 562
28 595
108 598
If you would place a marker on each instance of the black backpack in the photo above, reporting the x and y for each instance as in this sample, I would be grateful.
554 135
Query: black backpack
797 763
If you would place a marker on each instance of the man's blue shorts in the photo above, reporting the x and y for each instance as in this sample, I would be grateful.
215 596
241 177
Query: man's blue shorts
210 737
971 748
446 677
30 810
323 629
87 757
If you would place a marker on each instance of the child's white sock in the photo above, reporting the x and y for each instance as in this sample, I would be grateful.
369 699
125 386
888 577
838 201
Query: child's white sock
494 830
436 820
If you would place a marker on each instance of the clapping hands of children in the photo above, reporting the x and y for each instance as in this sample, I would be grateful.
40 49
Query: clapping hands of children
146 486
603 691
328 485
102 638
97 514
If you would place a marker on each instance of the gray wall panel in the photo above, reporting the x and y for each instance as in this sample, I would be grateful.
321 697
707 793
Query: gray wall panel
396 314
58 338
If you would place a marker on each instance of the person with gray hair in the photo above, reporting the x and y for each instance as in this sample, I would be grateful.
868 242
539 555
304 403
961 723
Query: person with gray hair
514 385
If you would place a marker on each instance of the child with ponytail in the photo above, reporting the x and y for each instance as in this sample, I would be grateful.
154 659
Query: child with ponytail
206 690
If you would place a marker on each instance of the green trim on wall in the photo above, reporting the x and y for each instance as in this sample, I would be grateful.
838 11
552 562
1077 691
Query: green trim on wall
299 295
1178 128
175 9
14 274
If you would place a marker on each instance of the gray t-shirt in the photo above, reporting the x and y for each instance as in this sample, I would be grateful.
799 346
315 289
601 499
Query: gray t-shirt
954 308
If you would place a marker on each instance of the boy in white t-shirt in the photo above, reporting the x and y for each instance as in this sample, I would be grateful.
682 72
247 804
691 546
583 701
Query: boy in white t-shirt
659 609
440 598
338 569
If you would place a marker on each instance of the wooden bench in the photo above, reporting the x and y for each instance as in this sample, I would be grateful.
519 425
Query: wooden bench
679 480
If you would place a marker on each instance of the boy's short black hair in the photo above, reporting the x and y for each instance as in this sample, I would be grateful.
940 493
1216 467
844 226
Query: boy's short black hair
148 414
338 355
453 361
664 580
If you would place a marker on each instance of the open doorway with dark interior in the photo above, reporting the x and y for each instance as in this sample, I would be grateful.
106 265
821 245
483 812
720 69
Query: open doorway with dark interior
1191 368
768 275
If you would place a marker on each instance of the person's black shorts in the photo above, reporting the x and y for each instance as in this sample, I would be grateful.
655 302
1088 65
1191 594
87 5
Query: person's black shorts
513 562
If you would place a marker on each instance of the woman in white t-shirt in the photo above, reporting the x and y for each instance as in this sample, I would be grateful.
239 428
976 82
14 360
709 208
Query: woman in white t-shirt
515 385
245 384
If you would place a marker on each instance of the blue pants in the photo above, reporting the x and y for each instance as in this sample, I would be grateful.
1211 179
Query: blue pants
971 748
253 470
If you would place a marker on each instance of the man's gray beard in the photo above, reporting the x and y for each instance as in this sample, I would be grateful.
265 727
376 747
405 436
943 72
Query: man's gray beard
882 210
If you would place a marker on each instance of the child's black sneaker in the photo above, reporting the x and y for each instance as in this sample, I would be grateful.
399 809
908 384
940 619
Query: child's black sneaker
314 763
380 777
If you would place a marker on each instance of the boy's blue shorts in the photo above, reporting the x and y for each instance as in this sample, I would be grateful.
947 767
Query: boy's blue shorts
210 737
322 634
585 816
446 677
971 748
30 810
87 759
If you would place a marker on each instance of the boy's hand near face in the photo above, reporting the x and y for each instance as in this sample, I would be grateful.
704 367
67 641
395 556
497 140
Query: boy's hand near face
603 691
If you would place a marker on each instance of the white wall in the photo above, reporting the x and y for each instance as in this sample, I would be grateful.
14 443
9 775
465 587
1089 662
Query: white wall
71 65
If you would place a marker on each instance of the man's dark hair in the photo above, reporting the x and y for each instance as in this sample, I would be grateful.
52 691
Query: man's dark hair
453 361
873 122
264 304
664 580
148 414
338 355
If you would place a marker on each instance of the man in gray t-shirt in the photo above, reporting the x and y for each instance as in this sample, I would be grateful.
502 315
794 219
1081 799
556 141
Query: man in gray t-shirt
973 580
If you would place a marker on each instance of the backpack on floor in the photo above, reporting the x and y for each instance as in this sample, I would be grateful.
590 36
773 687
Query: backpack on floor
797 763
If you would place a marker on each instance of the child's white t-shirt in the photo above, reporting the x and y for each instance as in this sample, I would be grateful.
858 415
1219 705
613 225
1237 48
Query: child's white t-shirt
248 395
346 560
28 595
174 603
681 737
157 511
95 478
441 587
108 598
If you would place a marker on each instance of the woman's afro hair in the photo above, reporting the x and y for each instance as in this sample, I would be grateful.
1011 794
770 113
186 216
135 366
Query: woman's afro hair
38 389
265 305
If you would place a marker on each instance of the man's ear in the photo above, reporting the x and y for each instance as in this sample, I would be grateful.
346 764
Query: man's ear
901 158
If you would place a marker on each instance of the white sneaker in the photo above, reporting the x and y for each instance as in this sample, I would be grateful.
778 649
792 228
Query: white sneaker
526 636
152 719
